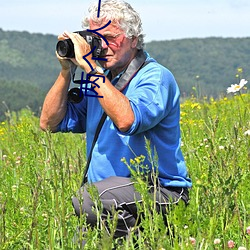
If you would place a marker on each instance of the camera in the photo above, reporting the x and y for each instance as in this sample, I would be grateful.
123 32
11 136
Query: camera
65 48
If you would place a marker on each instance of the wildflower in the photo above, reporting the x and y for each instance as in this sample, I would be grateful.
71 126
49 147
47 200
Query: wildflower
123 160
45 216
240 70
22 210
71 167
195 106
216 241
230 244
198 182
242 248
192 240
221 147
247 133
14 188
132 162
237 87
248 230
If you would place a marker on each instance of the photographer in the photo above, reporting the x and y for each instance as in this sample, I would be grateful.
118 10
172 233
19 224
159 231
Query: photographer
141 100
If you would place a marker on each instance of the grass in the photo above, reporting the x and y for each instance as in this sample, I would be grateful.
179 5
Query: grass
40 172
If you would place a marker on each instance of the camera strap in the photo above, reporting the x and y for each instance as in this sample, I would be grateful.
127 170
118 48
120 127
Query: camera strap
136 64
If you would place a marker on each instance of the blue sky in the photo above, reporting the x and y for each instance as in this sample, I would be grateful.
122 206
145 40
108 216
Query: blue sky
162 19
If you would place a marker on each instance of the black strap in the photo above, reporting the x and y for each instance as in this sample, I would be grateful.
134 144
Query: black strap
97 132
136 64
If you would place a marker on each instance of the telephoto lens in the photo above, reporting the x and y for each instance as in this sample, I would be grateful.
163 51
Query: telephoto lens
65 48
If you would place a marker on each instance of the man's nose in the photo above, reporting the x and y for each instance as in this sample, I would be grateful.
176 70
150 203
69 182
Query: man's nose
104 44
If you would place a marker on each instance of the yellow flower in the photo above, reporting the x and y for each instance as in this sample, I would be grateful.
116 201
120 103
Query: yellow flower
138 160
240 70
195 105
183 113
132 162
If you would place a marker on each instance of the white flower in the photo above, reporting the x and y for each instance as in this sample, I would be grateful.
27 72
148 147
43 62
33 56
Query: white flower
217 241
247 133
237 87
242 248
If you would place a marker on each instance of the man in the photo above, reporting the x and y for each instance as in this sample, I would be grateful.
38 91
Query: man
141 100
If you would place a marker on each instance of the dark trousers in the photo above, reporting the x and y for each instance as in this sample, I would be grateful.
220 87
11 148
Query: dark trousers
119 194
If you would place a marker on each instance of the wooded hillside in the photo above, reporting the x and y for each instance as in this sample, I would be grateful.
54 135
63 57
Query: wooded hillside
28 66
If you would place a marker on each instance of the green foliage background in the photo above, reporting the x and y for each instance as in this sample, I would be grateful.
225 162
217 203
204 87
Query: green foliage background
210 62
28 68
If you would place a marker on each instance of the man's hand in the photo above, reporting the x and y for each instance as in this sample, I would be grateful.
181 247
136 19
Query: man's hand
82 48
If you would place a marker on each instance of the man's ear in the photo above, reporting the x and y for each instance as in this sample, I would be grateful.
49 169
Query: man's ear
134 42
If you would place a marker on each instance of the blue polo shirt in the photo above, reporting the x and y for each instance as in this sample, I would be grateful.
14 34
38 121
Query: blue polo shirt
154 97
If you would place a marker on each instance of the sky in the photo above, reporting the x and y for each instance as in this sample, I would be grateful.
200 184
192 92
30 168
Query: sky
162 19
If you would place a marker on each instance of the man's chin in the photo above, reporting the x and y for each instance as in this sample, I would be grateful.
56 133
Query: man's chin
106 64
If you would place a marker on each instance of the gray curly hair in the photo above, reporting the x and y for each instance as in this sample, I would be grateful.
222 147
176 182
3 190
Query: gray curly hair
122 14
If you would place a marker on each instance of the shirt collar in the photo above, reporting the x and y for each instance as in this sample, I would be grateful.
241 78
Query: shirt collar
115 80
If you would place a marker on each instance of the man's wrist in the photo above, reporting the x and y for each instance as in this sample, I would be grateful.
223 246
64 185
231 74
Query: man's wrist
96 71
65 73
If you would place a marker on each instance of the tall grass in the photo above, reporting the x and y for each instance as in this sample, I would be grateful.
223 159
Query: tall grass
40 172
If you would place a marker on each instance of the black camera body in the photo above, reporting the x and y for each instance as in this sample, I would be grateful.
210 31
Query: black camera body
65 48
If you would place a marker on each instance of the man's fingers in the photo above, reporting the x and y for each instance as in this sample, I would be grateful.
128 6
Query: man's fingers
63 36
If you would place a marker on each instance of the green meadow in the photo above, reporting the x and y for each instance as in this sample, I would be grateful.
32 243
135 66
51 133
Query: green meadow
40 172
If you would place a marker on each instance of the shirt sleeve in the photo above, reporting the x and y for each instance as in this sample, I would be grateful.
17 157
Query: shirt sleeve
75 118
153 97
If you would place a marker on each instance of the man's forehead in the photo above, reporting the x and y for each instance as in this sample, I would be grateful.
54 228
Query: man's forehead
112 27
